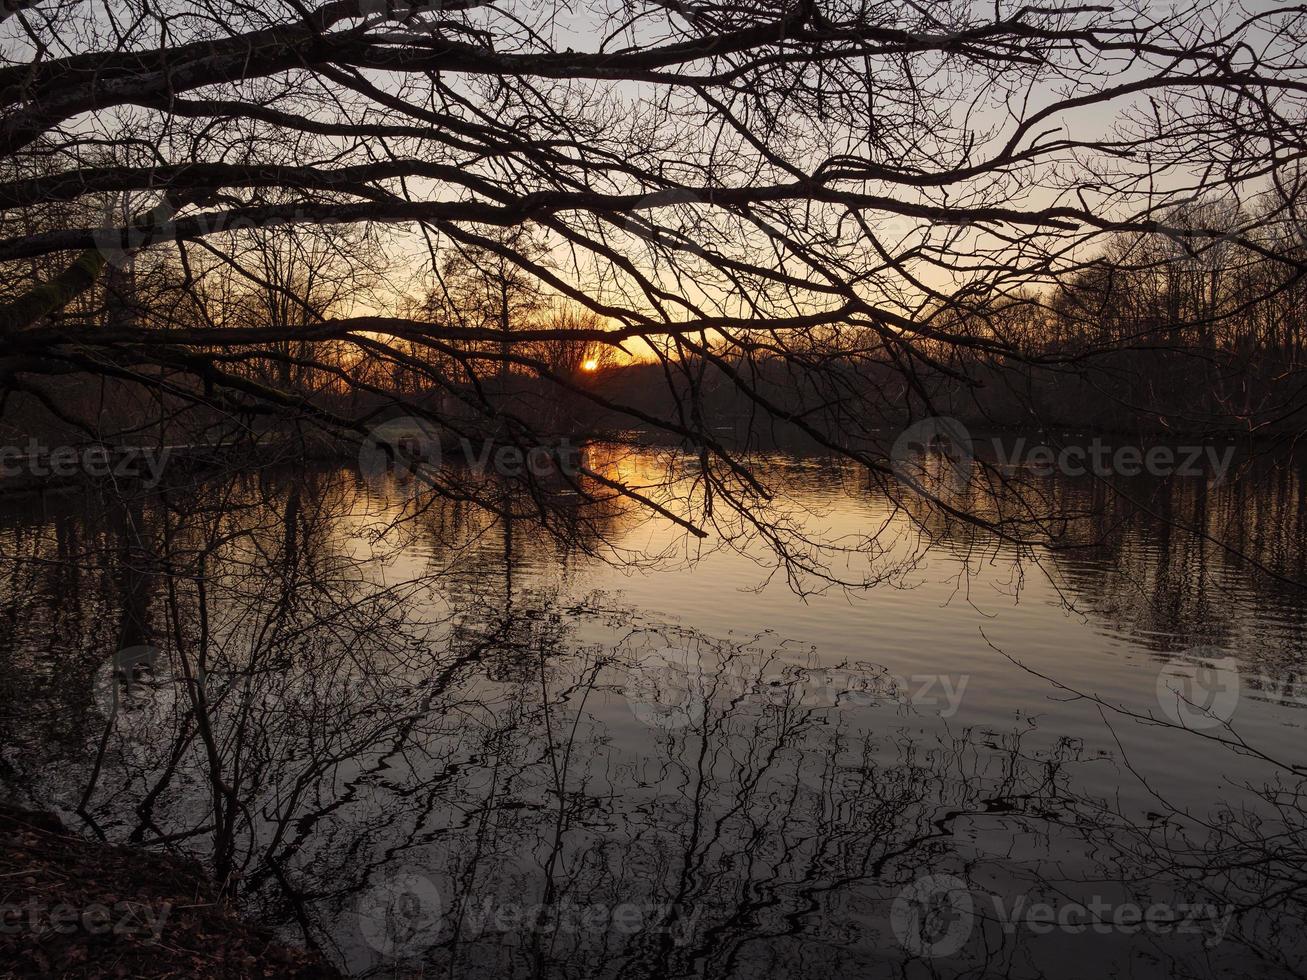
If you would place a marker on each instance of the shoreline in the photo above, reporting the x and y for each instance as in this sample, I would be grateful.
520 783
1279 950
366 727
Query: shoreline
72 907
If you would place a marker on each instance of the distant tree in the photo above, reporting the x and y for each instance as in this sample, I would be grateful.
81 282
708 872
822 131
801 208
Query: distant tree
486 284
819 217
575 347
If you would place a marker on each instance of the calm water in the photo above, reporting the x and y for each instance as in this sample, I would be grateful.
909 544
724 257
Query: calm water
438 741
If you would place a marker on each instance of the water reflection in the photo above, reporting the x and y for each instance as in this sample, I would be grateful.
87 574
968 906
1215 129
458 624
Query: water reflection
427 737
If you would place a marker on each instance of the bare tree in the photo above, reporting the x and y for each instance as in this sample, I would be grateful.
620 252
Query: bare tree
836 214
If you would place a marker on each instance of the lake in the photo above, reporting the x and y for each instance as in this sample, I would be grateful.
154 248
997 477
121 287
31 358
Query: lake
438 740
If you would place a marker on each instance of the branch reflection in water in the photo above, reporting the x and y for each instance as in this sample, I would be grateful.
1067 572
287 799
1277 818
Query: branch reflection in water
420 735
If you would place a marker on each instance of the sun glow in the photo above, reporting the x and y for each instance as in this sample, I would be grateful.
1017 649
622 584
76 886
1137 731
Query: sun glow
590 365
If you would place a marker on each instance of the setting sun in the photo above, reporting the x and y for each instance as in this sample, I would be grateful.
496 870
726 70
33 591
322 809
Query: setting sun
917 590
